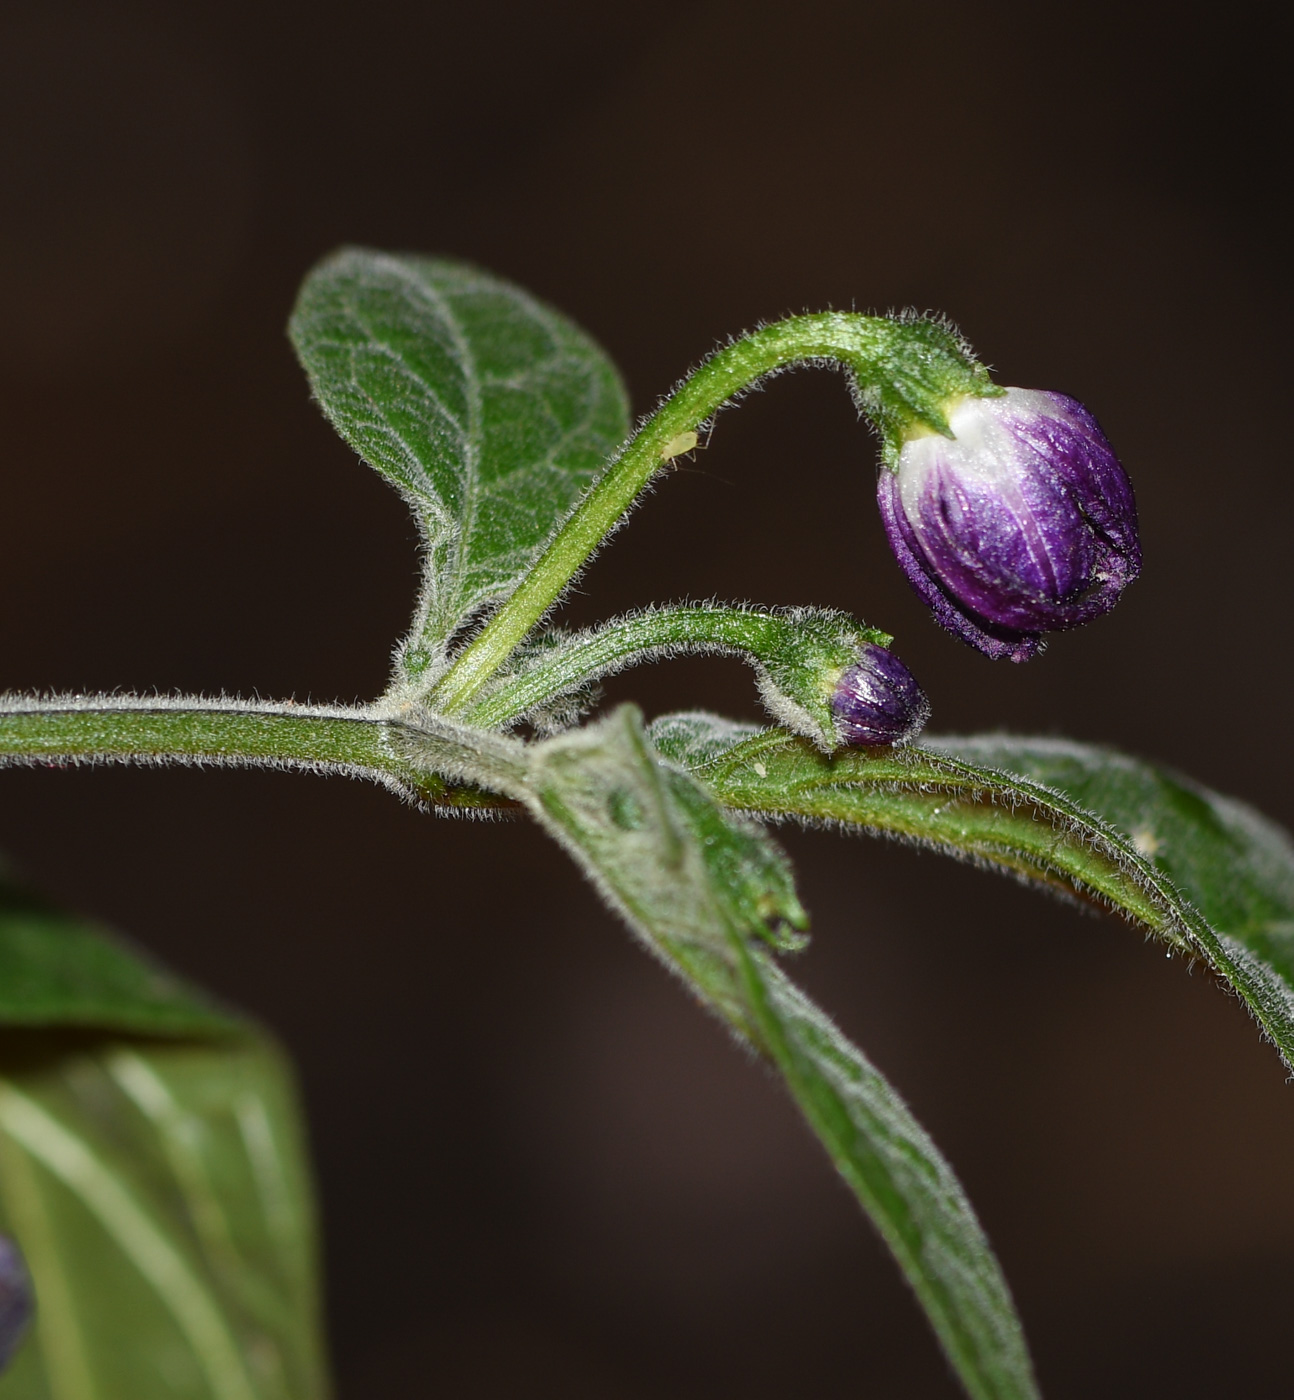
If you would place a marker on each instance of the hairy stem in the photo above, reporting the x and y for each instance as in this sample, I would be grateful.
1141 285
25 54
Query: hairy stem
758 635
404 753
902 372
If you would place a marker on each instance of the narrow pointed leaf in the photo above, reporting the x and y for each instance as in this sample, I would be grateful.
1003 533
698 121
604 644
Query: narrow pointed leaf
487 410
712 897
1202 872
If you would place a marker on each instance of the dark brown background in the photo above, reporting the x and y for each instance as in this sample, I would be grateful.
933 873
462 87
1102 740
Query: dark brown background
543 1172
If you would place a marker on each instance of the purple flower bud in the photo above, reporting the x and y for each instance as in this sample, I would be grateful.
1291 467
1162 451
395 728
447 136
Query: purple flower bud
877 700
1022 523
15 1299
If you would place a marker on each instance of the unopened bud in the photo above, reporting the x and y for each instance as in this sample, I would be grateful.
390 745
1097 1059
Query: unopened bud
836 682
1023 522
878 701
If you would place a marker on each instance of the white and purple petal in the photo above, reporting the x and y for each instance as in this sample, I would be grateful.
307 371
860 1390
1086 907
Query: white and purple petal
878 701
997 642
1022 522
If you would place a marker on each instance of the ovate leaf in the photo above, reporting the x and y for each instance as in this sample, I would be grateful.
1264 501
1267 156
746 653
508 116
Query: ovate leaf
712 898
1204 873
487 410
1233 865
153 1173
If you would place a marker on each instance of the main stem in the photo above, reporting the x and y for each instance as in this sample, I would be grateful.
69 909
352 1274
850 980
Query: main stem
868 346
399 752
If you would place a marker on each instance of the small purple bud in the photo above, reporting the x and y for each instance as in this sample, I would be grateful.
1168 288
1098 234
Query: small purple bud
1022 523
15 1299
877 700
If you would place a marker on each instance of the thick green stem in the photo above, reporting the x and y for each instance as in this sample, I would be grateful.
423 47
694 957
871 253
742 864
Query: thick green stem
903 372
355 742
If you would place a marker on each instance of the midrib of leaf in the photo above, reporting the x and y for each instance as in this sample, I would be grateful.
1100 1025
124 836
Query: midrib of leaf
444 612
140 1239
272 1186
179 1133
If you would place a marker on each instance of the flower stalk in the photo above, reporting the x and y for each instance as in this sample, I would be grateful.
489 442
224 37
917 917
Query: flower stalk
902 371
820 673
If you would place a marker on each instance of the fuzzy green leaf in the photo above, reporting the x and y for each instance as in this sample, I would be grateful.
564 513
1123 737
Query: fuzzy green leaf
153 1173
1235 866
487 410
1204 873
708 895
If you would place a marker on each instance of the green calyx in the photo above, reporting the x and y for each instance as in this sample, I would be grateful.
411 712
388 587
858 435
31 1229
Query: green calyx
923 369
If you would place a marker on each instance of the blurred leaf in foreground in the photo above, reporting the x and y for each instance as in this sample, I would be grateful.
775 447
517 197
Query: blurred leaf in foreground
153 1172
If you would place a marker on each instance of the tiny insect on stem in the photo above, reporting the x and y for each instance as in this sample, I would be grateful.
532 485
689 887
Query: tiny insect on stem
678 446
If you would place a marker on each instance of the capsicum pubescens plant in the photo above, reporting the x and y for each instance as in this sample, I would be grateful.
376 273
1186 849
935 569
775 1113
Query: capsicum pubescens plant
506 430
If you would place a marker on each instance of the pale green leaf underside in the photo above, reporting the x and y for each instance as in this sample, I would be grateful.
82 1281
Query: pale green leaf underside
1205 873
152 1171
708 897
488 411
159 1193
